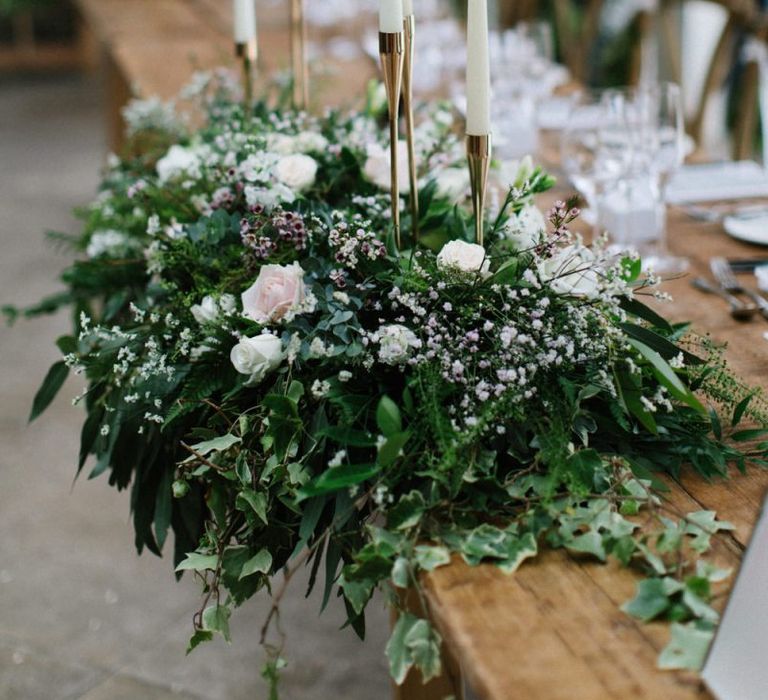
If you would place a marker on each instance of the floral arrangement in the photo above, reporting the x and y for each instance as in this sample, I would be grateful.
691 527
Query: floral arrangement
280 387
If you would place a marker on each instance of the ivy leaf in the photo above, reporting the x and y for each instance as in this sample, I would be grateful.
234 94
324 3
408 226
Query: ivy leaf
702 525
52 383
400 657
650 601
199 562
423 641
219 444
261 563
216 619
357 593
388 417
256 501
588 543
518 550
687 648
430 558
407 512
199 638
401 576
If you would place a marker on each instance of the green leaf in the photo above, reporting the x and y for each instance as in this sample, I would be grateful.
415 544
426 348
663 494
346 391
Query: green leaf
650 601
216 619
401 574
666 375
388 417
199 562
199 638
637 308
666 348
357 593
588 543
391 449
430 558
407 511
255 501
738 412
518 550
423 643
583 465
219 444
687 648
52 383
261 563
398 653
337 478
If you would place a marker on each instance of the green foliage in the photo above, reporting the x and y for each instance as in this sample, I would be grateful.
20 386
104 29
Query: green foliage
543 416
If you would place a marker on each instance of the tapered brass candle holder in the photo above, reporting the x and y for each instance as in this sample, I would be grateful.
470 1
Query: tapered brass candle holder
479 151
299 55
409 34
248 53
391 50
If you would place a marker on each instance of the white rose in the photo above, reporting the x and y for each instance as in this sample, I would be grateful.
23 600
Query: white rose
459 256
178 161
277 294
572 271
311 142
207 311
452 183
376 168
257 167
525 229
281 143
396 343
296 171
257 356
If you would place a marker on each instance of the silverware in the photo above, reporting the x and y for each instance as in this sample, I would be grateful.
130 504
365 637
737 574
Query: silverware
721 269
739 310
712 215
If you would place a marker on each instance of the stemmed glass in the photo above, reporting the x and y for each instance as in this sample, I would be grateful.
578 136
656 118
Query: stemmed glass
655 118
593 147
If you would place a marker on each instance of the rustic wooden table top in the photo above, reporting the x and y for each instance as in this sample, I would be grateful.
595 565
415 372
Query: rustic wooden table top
553 630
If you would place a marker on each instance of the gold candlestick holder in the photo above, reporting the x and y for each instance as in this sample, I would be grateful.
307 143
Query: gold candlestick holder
409 34
391 50
299 63
479 149
248 53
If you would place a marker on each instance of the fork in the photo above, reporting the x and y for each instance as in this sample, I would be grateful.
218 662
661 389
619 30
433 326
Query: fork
721 269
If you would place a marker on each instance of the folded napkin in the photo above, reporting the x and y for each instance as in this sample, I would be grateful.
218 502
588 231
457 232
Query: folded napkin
711 182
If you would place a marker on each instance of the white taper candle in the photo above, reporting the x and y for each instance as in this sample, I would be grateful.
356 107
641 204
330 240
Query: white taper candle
478 69
390 16
407 7
244 16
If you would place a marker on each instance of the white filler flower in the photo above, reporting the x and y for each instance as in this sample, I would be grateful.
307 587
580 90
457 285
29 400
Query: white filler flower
257 356
459 256
396 343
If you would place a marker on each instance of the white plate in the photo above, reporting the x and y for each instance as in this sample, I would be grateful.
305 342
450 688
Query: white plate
751 230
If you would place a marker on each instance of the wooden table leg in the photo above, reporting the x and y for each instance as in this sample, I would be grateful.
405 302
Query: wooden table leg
448 685
118 94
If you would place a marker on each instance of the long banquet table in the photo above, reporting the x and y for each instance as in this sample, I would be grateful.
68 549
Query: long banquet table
553 630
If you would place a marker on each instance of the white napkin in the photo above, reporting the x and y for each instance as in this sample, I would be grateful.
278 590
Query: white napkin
713 182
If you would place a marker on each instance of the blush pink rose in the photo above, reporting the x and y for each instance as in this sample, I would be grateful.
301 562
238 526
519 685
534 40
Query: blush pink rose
278 291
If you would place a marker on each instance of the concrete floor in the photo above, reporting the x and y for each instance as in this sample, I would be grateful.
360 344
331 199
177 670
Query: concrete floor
81 616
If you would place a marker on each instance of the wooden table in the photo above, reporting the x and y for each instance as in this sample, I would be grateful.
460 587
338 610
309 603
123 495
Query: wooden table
553 630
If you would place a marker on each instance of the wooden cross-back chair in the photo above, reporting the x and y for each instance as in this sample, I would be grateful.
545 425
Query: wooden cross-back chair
743 20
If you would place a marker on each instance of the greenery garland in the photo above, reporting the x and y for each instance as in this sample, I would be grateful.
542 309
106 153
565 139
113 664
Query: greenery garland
281 388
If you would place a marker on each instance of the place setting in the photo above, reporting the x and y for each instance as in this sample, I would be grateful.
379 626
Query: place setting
471 360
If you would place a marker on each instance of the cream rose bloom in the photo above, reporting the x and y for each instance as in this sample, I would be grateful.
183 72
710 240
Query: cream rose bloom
452 183
209 310
276 295
572 271
257 356
376 169
296 171
459 256
310 142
